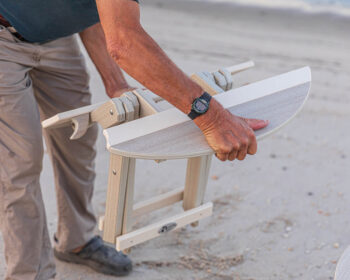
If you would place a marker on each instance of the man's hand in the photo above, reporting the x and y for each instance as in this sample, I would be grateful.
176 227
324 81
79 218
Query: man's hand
119 92
231 137
142 58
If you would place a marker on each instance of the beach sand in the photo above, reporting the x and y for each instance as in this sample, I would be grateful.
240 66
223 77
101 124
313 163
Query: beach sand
282 214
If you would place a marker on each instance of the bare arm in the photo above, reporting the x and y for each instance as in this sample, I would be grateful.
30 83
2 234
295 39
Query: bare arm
140 56
95 43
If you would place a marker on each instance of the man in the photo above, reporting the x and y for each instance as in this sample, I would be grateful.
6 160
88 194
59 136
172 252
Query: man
42 73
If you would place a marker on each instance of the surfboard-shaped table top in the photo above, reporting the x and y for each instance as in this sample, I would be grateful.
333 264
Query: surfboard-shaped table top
343 267
172 135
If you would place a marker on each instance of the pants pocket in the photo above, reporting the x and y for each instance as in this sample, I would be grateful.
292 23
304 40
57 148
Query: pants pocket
6 35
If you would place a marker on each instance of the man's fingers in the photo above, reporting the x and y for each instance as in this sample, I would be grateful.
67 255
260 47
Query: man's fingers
256 124
253 147
233 155
242 154
222 157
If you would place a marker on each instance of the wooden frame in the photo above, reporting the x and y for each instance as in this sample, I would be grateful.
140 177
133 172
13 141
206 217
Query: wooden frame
146 233
123 136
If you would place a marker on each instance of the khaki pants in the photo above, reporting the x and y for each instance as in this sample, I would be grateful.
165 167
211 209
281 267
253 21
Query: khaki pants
37 82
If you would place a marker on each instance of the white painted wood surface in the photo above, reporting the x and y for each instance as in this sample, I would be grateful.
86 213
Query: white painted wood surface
152 204
158 202
196 181
64 119
109 114
80 125
115 202
217 82
171 134
197 174
147 105
240 67
343 267
146 233
129 198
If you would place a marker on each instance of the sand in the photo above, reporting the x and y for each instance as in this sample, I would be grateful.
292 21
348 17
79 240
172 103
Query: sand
283 214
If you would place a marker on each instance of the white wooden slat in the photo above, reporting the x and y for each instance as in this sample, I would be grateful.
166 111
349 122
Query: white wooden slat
196 181
117 184
158 202
149 232
129 197
64 118
240 67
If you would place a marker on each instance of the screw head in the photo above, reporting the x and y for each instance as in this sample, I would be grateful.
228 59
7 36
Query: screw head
111 112
114 172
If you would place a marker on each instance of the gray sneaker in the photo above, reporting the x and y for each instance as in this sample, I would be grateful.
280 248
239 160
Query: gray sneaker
99 257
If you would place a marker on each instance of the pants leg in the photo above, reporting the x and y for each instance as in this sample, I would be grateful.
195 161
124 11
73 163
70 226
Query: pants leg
61 83
22 215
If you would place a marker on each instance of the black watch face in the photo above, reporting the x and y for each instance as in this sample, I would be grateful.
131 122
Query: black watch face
200 106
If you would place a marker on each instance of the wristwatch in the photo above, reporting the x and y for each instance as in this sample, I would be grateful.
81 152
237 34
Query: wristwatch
200 105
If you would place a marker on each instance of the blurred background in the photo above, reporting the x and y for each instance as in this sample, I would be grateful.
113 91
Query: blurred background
282 214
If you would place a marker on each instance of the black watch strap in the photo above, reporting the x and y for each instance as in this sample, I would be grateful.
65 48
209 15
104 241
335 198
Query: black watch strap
205 96
193 114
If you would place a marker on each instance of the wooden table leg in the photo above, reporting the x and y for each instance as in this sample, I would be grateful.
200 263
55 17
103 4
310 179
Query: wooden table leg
115 203
196 181
129 200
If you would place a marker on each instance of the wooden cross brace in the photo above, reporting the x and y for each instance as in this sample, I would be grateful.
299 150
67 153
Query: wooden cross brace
136 126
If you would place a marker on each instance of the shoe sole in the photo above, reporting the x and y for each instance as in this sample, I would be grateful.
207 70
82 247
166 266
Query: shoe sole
70 258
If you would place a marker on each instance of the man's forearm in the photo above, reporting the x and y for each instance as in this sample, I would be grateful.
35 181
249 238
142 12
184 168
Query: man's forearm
140 56
143 59
136 52
94 41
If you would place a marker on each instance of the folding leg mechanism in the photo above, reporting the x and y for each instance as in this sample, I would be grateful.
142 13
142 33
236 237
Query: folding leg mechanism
120 210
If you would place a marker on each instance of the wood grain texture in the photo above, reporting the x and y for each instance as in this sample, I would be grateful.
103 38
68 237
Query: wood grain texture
64 118
109 114
129 197
206 83
114 213
146 233
171 134
158 202
147 105
197 174
196 181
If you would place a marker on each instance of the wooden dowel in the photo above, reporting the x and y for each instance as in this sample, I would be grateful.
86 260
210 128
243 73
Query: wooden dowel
240 67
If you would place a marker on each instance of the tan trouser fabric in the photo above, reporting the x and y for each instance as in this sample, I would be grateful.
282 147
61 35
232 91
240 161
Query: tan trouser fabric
37 82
